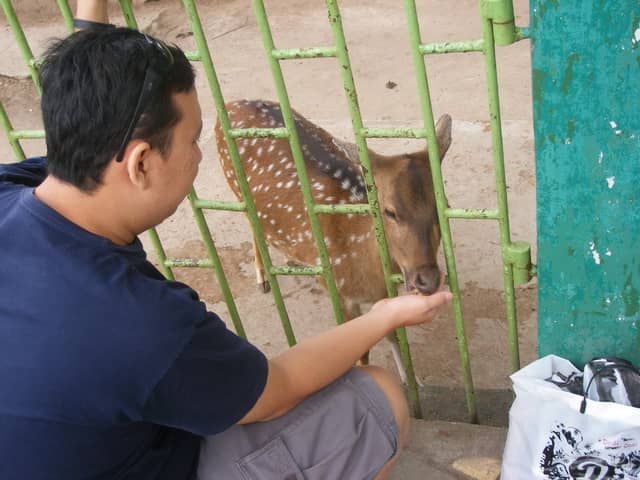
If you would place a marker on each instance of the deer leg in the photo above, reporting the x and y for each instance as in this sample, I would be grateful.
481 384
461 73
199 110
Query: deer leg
259 267
397 357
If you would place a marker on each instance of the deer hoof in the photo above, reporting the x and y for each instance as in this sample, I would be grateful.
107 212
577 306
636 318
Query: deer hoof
264 286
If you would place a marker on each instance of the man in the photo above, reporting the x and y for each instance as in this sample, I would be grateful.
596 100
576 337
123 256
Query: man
111 371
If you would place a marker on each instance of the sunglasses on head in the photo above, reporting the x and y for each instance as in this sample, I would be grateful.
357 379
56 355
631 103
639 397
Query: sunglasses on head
159 63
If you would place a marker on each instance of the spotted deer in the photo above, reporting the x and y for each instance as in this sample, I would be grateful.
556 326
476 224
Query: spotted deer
405 192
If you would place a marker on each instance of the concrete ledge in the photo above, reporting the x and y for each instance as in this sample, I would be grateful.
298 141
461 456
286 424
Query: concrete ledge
451 451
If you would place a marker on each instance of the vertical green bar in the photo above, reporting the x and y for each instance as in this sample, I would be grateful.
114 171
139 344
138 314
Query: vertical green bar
127 11
8 128
298 157
335 21
22 41
501 189
223 118
586 79
67 15
441 201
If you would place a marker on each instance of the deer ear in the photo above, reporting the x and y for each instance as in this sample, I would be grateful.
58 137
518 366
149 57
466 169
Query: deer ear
443 134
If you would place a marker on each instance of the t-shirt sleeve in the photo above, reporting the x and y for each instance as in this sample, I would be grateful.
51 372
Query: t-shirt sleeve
30 172
214 382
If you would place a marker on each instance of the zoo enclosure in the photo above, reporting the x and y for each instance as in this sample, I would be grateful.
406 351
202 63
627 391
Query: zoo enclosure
498 28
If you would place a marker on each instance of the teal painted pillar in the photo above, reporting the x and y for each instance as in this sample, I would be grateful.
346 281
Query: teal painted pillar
586 99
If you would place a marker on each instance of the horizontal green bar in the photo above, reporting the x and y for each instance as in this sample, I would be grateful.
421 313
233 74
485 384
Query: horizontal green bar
394 132
299 270
188 262
472 213
313 52
351 208
216 205
259 132
193 56
452 47
26 134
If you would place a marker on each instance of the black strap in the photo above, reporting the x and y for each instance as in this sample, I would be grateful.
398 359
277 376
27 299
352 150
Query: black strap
622 366
83 24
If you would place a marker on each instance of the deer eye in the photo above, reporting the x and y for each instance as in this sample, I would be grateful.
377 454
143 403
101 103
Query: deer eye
391 214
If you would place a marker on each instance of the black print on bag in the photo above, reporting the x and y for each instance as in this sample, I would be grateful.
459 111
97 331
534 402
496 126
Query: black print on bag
566 457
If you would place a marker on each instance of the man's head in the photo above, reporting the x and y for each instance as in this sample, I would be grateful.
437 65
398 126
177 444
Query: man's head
103 88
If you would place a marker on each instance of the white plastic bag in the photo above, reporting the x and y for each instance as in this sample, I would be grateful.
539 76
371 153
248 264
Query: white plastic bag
549 438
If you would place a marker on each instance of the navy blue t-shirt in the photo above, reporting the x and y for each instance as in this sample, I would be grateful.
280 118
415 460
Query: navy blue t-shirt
107 369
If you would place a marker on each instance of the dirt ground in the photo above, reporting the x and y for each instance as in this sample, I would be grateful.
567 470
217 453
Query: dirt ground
379 48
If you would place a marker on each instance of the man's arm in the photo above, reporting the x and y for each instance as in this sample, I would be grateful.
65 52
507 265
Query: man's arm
93 10
316 362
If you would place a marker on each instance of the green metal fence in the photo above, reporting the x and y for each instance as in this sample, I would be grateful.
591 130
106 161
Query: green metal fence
498 28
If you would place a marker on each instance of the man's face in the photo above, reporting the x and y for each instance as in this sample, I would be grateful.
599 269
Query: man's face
177 171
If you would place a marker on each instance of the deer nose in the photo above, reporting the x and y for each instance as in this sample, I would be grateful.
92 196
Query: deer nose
425 279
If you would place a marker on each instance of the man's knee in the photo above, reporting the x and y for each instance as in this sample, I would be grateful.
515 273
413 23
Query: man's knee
392 389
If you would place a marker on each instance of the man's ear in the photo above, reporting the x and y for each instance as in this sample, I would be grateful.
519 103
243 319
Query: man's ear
138 164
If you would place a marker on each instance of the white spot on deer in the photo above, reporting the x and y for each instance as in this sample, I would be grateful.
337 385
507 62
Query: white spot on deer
278 173
611 181
349 216
317 262
280 232
298 216
252 117
269 205
273 222
253 141
279 184
248 178
307 234
289 166
289 184
346 184
261 171
254 167
341 283
337 261
354 254
270 167
259 151
318 186
267 187
337 173
289 209
594 253
330 198
241 150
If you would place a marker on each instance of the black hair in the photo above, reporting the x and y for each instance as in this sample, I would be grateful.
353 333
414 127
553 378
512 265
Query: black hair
91 82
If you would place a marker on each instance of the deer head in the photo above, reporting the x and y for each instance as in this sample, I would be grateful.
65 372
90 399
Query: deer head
408 206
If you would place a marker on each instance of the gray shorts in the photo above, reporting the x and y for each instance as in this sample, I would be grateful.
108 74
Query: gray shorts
345 431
